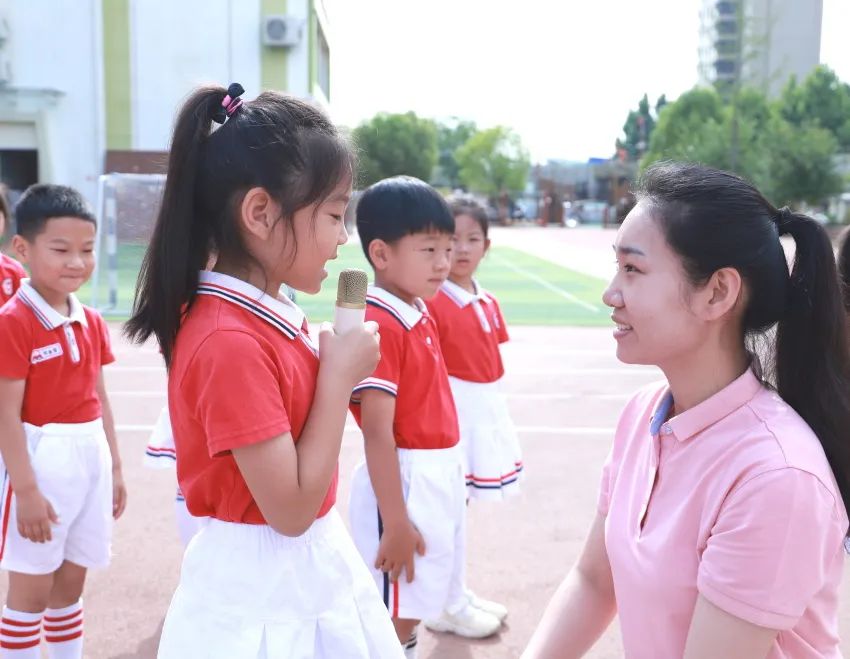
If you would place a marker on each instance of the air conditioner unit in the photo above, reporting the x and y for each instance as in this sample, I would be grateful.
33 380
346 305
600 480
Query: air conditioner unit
282 31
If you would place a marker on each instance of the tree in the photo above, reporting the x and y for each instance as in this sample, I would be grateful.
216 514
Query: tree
801 164
451 136
750 136
493 161
822 99
393 144
638 128
689 129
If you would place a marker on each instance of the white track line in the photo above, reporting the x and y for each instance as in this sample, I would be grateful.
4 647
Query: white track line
549 286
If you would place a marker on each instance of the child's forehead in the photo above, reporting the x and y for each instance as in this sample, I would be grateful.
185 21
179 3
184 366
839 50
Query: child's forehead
67 226
430 235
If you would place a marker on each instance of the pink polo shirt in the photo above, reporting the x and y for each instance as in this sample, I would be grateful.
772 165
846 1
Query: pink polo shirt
734 500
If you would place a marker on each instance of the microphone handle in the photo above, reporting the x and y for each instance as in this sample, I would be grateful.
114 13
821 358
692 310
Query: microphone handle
346 319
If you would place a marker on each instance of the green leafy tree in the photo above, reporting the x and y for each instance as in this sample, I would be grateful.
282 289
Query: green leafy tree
801 164
750 136
638 128
689 129
451 135
393 144
493 161
822 100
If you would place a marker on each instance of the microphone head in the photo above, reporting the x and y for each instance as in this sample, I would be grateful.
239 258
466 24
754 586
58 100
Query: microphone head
351 289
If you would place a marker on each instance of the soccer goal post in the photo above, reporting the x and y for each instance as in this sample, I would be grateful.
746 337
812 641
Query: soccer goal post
127 206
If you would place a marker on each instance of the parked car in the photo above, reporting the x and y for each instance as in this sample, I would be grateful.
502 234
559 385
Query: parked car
585 211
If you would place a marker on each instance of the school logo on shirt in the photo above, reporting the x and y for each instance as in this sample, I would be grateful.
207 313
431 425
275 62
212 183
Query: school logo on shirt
47 352
7 286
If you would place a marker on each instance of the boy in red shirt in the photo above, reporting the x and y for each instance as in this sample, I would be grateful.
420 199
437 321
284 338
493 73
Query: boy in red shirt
408 498
62 482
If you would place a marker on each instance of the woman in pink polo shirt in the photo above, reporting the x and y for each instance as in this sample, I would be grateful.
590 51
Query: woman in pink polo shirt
721 514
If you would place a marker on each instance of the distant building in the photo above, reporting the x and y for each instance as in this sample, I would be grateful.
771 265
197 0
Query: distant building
759 43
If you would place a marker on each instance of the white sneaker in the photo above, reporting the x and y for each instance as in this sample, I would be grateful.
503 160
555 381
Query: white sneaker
469 622
493 608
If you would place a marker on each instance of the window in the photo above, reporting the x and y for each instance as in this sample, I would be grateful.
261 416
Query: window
725 67
726 7
727 26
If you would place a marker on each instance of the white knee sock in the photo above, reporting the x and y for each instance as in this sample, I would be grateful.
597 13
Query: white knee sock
20 634
410 646
63 631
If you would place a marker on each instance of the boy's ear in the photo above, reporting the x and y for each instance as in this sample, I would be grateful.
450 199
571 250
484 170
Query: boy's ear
21 248
379 253
486 245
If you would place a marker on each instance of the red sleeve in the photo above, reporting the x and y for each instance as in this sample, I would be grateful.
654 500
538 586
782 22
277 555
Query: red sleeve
388 372
106 356
501 326
15 348
237 401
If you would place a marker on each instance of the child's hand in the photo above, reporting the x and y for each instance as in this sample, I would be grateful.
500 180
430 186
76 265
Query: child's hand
119 493
398 545
35 515
353 355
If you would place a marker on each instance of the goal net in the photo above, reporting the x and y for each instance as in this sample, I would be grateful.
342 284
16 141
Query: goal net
127 206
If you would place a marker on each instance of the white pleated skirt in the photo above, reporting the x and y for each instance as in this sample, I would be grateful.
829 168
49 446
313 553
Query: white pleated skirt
490 446
248 592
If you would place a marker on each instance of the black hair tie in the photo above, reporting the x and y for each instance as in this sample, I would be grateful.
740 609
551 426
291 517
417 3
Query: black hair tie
229 104
784 219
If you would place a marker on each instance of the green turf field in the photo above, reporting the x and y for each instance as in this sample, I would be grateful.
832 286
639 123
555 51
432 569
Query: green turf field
531 291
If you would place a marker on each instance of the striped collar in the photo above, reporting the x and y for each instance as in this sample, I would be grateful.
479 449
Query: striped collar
279 312
47 315
462 297
408 315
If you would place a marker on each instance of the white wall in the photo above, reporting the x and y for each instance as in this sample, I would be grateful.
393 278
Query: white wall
178 45
794 40
298 57
786 34
55 44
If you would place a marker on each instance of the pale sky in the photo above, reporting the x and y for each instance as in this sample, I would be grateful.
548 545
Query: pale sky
562 73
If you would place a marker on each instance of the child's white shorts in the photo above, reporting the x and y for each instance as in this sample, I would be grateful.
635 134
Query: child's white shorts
73 468
435 495
248 592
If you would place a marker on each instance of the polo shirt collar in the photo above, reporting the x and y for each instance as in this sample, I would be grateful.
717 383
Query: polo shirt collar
47 315
279 312
406 314
462 297
715 408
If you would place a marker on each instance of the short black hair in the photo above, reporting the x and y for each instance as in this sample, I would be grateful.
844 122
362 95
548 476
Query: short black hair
44 201
400 206
464 204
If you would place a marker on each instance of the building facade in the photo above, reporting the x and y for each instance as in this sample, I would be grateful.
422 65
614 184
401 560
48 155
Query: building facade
758 43
92 86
